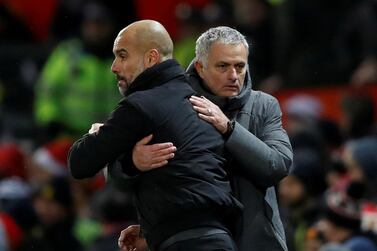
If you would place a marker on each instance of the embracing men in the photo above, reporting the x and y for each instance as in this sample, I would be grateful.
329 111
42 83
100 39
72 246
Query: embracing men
247 123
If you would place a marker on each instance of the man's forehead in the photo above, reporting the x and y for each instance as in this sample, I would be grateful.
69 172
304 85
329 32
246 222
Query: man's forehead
219 44
119 44
117 40
228 52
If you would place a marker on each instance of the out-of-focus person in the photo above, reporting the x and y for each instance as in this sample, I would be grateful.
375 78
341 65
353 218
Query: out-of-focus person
75 85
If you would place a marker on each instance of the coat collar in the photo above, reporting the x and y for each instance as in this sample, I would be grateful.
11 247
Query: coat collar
156 75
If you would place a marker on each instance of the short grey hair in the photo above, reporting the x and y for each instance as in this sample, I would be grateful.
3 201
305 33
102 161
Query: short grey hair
221 34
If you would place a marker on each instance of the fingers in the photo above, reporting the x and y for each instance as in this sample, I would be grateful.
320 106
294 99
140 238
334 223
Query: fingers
132 230
127 237
209 119
146 157
197 101
157 152
164 154
201 99
166 151
162 157
130 239
160 146
202 110
154 147
204 106
95 127
210 112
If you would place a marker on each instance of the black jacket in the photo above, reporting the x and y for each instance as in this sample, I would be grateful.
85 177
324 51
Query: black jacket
193 189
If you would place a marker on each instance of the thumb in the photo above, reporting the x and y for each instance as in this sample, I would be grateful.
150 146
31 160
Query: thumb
145 140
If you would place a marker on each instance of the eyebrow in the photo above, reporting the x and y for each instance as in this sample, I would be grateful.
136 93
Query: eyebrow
228 63
120 51
222 62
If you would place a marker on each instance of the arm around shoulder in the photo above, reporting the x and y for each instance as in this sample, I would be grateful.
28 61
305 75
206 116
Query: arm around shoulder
116 137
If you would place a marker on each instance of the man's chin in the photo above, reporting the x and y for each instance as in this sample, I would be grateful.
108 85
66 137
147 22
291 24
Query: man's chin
228 94
122 91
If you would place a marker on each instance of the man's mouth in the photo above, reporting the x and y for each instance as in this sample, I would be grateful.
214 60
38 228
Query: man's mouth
231 87
121 81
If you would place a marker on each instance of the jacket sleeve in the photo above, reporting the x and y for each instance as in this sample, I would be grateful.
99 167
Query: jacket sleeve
121 179
267 159
117 136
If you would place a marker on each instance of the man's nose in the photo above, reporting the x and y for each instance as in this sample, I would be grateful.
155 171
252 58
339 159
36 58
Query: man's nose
232 73
114 67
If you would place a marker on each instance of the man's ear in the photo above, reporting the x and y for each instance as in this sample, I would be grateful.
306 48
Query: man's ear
199 68
151 58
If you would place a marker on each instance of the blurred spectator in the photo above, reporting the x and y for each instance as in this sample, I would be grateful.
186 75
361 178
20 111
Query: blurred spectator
24 43
53 202
147 9
13 192
341 224
191 22
116 212
358 116
324 42
360 159
302 111
69 13
357 43
301 192
76 86
36 15
11 235
49 160
255 19
64 24
303 116
369 218
87 227
313 239
12 29
337 175
193 19
15 201
12 161
300 195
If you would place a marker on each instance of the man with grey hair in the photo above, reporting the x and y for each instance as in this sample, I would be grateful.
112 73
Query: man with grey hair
221 34
259 151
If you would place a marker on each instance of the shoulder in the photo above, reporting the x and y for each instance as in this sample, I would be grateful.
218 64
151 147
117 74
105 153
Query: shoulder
263 102
140 96
262 97
145 100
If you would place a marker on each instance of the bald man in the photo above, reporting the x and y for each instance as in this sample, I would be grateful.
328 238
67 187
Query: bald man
188 204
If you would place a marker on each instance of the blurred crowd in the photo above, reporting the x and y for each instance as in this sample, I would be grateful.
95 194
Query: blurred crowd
55 81
329 200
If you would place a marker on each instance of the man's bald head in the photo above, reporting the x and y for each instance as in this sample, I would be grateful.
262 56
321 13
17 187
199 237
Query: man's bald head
150 34
137 47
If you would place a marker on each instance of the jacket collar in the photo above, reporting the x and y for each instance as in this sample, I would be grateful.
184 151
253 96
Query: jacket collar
228 104
156 75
